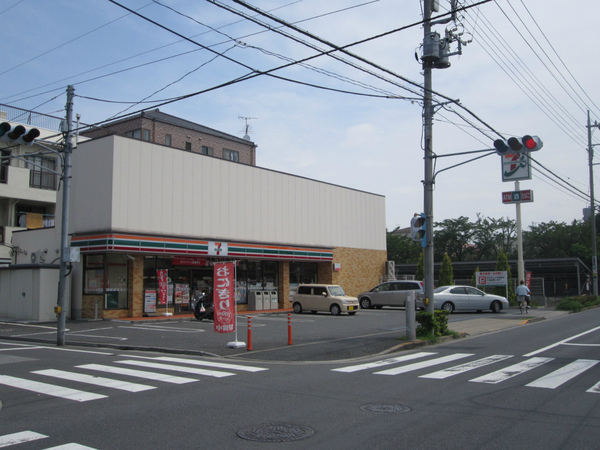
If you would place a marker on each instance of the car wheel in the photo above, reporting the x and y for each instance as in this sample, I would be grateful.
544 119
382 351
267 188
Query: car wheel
496 307
448 306
352 313
297 308
335 310
365 303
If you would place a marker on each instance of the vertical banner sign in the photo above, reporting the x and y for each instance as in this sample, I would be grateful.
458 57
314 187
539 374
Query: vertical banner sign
224 297
161 274
528 280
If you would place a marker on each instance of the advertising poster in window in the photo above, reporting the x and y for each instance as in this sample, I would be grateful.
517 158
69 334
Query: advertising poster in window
150 301
161 274
224 297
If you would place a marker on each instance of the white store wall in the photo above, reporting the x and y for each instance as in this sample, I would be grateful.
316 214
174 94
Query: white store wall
123 184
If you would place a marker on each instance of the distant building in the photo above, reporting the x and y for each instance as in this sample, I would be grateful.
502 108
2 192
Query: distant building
163 129
28 181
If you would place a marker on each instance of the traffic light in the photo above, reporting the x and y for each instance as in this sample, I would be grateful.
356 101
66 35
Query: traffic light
418 229
18 134
515 145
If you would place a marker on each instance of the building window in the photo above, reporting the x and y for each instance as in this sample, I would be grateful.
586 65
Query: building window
188 146
168 138
140 133
42 173
106 275
4 165
231 155
207 150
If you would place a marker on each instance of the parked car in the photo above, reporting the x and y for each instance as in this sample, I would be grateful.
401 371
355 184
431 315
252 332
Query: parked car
391 293
323 297
464 298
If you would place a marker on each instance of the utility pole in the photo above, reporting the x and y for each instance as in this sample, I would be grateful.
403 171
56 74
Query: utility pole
65 255
428 262
592 207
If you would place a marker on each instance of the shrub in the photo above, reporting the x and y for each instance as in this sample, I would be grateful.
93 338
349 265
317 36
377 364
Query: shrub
576 304
435 324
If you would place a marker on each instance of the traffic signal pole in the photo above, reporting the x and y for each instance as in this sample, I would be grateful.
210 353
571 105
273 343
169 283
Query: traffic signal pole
428 262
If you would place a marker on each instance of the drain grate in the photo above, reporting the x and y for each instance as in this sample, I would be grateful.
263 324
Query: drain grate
275 432
385 409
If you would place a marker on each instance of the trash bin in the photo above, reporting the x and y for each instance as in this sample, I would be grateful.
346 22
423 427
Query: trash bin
274 300
255 301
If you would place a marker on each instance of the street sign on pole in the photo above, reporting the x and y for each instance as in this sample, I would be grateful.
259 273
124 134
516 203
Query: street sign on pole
517 196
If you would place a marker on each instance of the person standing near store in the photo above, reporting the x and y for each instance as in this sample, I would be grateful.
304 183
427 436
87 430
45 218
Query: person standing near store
523 293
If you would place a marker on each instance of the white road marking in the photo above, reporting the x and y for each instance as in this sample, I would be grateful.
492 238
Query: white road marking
423 364
18 438
462 368
138 373
49 389
97 381
564 374
151 365
512 371
209 364
383 362
560 342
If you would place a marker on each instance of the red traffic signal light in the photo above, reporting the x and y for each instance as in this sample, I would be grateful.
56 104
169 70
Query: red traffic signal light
18 134
515 145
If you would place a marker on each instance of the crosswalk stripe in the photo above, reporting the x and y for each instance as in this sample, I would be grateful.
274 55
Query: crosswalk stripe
564 374
423 364
97 381
512 371
383 362
49 389
209 364
138 373
151 365
18 438
71 446
462 368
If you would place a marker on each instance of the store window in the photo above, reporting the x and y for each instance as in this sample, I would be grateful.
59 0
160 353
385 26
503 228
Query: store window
302 273
256 276
107 275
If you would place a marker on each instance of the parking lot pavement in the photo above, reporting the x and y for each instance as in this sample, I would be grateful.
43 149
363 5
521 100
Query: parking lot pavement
271 336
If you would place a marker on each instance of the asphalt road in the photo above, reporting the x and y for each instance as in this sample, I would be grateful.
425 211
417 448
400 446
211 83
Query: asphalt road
533 386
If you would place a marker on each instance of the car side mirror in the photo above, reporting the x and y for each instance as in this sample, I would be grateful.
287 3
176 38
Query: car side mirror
324 294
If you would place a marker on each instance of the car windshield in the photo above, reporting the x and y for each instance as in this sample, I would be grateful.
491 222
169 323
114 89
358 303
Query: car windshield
336 290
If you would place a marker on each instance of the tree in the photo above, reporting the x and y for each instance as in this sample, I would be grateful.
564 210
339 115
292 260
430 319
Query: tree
446 276
503 266
401 248
420 275
492 235
454 237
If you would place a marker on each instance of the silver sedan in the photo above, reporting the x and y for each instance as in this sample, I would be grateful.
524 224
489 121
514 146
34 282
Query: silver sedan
466 298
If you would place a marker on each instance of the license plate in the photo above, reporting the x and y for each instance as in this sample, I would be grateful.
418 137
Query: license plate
350 308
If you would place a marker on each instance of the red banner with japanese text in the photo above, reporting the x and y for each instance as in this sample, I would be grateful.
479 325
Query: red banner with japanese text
163 286
224 297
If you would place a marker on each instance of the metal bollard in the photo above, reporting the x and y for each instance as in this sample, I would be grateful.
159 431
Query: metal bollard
411 331
289 328
249 347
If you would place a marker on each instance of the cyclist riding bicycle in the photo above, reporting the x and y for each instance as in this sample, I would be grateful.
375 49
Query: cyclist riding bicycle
522 294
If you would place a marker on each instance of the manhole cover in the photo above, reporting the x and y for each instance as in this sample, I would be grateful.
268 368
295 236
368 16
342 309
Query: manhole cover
275 432
385 409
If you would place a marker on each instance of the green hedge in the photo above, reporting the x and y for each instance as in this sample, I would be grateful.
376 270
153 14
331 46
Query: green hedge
435 324
576 304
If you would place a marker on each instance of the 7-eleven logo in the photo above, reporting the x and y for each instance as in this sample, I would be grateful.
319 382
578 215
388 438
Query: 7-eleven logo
217 248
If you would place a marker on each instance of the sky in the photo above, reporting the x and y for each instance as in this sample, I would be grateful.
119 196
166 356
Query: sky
350 118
